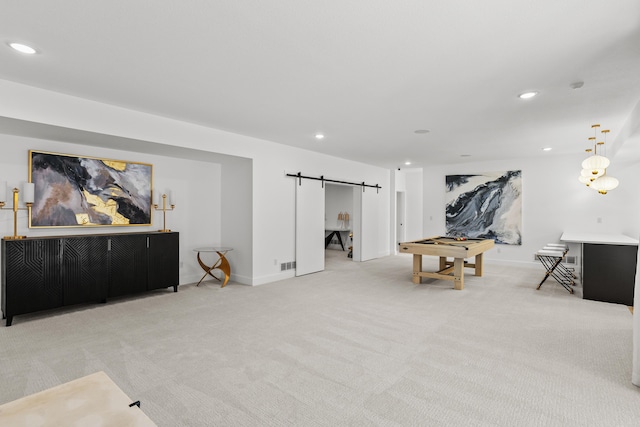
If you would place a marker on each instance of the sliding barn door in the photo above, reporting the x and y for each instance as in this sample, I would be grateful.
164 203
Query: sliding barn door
366 224
309 226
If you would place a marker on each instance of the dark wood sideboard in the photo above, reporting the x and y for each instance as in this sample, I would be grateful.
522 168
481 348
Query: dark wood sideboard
41 273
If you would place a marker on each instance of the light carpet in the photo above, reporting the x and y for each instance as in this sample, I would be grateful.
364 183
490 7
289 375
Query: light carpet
356 345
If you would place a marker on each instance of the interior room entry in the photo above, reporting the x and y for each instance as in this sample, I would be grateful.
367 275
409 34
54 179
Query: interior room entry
338 221
310 223
310 199
363 219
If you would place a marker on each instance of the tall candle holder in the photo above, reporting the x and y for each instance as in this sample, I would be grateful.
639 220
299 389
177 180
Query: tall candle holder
15 209
164 210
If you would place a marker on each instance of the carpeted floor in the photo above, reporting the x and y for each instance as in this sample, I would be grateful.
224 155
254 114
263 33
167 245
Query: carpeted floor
356 345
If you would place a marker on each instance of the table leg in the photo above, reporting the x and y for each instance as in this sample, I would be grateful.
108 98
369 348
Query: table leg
458 273
221 264
339 239
479 259
207 269
327 239
443 263
224 266
417 268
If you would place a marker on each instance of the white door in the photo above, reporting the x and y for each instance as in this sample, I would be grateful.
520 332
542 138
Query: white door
309 226
365 226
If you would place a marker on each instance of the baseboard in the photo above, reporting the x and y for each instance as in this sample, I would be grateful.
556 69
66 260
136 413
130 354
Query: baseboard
189 279
243 280
263 280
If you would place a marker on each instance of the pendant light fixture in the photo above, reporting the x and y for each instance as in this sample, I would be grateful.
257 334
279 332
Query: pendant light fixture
604 183
594 168
596 161
586 177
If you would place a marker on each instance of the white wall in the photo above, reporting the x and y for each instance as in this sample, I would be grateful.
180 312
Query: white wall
414 225
274 201
187 179
553 202
410 182
273 197
236 206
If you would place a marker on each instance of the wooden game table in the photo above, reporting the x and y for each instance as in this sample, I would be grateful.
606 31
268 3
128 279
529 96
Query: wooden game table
447 247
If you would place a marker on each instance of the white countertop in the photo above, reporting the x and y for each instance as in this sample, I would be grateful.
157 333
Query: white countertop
601 238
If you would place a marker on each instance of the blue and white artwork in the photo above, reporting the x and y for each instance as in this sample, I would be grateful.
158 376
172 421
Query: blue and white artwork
487 205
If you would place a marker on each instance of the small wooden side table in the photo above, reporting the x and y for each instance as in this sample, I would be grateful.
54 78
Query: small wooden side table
221 264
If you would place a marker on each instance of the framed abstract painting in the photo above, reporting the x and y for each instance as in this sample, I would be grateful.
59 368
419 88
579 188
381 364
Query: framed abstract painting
487 206
81 191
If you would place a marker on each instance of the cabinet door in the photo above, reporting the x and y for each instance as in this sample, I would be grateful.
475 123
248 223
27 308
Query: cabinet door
128 261
32 276
164 259
85 269
609 273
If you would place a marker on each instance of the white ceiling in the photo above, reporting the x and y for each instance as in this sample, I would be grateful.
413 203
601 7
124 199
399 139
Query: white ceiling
366 73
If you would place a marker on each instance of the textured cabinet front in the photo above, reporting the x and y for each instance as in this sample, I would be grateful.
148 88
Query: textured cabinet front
163 261
128 266
45 273
30 276
85 272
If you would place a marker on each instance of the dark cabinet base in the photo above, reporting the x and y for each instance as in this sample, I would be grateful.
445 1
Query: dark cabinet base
50 272
609 272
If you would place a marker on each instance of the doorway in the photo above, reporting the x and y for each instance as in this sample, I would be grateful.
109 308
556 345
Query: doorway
338 220
313 221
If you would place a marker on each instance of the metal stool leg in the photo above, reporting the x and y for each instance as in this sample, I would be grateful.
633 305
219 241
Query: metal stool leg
552 262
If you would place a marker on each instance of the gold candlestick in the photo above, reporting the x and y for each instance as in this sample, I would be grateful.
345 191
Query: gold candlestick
15 209
164 213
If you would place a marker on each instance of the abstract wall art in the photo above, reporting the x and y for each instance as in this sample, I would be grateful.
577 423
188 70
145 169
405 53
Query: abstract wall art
487 205
76 191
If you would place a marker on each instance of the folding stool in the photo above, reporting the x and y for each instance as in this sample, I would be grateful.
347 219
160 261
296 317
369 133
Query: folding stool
569 272
551 257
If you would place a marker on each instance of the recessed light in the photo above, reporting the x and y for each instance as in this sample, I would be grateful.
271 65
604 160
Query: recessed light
22 48
422 131
407 163
527 95
319 136
465 155
547 149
